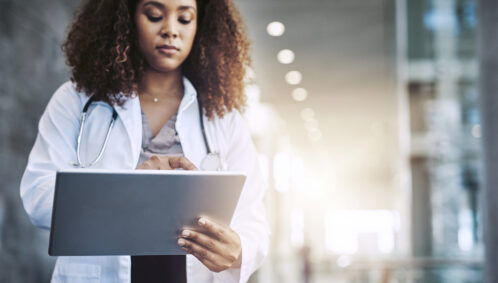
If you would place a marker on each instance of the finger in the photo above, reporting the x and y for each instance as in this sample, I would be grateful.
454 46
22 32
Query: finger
160 162
204 240
164 165
181 162
211 266
154 162
209 259
144 166
221 232
150 164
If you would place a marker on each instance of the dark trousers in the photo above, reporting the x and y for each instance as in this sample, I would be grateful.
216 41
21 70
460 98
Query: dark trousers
155 269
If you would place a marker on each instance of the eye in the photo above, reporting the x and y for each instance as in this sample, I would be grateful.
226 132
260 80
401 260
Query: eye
154 19
184 21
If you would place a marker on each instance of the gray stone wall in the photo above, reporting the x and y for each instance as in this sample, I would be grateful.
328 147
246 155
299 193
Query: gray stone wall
31 68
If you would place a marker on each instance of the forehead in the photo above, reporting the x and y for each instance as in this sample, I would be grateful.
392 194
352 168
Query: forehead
169 4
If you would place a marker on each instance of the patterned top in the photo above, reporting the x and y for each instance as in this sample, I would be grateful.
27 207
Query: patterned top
166 142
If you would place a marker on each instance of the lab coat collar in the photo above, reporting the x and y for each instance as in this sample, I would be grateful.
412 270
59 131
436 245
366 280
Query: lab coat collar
189 89
189 95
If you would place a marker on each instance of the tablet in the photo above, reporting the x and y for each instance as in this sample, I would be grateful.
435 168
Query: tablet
135 212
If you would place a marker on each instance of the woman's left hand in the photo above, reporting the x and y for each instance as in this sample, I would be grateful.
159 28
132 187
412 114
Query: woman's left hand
218 250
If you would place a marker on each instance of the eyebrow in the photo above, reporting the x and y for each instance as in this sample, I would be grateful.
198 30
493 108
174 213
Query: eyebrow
161 6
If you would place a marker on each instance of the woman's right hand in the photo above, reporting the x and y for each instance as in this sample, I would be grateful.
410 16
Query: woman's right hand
167 163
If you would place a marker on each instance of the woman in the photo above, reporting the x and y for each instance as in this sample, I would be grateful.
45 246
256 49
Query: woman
154 62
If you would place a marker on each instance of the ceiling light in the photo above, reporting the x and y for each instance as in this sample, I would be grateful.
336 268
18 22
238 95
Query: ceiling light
299 94
285 56
293 77
275 28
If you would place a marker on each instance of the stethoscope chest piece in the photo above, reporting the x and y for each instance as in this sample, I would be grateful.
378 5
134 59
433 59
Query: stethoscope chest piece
211 162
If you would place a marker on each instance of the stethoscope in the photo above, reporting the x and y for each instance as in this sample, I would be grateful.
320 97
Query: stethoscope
211 162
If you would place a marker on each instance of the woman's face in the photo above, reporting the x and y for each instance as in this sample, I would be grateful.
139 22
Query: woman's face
166 31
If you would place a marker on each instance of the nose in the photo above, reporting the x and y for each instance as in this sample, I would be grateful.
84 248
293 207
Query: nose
169 29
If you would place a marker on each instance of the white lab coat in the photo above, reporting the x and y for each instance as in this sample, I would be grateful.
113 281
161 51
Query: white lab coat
55 148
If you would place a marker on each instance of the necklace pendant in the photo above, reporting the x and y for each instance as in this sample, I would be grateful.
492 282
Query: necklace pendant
155 99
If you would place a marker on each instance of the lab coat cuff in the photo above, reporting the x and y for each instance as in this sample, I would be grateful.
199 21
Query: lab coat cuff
242 273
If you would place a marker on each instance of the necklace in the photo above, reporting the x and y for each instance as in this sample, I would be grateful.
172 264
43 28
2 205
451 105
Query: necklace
155 99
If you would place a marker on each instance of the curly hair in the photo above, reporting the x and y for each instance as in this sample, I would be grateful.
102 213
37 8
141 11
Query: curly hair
102 50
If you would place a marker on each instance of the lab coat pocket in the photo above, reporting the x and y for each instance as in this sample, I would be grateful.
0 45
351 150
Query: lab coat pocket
76 272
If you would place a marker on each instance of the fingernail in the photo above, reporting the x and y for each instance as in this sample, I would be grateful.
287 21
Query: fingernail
185 233
202 221
181 242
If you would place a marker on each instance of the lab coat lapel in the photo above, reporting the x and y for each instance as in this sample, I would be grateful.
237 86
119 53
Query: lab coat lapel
188 126
131 117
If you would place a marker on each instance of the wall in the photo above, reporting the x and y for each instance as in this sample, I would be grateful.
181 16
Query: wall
31 68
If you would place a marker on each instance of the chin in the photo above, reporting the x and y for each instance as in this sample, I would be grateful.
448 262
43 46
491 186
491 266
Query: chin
166 68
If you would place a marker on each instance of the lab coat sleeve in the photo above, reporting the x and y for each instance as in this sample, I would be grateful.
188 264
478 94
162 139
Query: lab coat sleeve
249 220
53 149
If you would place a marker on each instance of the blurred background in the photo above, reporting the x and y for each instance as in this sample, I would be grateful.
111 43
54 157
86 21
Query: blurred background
366 118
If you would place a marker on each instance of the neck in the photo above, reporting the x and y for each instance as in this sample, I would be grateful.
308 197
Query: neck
162 85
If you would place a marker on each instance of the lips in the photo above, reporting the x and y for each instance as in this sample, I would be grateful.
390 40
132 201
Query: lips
167 49
167 46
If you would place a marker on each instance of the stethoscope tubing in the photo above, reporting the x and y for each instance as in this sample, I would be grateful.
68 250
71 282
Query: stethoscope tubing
201 120
80 134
